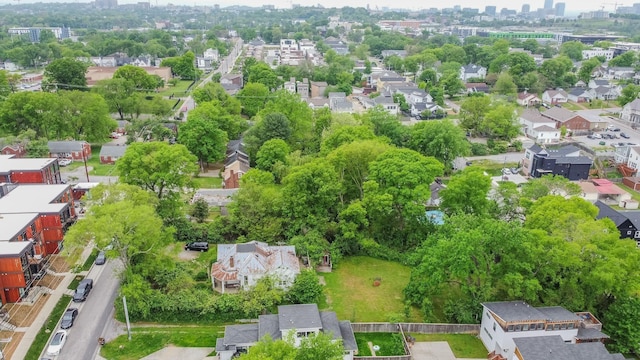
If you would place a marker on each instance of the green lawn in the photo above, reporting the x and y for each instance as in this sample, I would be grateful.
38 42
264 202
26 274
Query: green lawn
147 340
572 106
351 294
177 90
75 282
42 338
390 344
206 182
493 168
463 345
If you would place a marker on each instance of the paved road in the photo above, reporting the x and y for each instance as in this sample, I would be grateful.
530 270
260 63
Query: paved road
93 314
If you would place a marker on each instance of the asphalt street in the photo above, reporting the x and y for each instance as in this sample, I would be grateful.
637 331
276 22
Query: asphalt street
93 314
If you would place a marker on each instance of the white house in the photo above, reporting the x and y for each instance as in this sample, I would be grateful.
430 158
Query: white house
595 52
288 45
528 99
502 322
621 154
294 322
387 103
580 94
555 96
633 161
631 111
242 265
539 128
472 71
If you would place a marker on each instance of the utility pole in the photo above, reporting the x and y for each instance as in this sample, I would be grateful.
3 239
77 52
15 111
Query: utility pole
84 158
126 316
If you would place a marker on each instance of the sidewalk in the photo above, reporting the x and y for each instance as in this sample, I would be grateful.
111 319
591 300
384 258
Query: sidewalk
31 332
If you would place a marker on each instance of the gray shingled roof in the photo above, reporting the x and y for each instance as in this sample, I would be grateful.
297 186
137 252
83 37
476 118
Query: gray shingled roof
299 316
220 346
65 146
558 313
559 114
348 338
113 150
268 325
590 334
241 334
515 311
330 324
554 348
246 247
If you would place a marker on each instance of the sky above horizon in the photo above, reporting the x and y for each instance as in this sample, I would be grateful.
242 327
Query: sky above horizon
571 7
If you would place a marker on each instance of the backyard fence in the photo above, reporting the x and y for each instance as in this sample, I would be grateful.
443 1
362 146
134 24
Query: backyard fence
402 328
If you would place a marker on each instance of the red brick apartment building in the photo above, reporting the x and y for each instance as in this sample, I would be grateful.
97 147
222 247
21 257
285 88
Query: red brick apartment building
29 171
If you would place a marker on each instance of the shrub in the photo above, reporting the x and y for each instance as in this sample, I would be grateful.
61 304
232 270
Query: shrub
478 149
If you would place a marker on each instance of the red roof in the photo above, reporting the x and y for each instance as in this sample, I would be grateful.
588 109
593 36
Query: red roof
606 187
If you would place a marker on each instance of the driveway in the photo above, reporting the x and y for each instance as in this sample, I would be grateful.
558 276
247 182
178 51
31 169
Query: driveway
172 353
438 350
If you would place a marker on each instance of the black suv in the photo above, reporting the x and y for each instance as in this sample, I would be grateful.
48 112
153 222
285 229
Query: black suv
197 246
68 318
83 290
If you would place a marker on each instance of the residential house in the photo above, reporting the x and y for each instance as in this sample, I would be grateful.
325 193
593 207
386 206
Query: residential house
110 153
631 112
555 348
621 72
627 222
317 103
16 150
555 97
595 52
632 182
287 45
292 322
302 88
633 160
610 193
387 104
72 150
528 99
232 79
242 265
236 164
594 83
580 95
399 53
622 153
122 127
318 88
606 93
339 46
53 204
472 71
477 88
29 171
377 79
539 128
569 119
290 85
338 102
565 161
504 323
581 84
307 46
419 109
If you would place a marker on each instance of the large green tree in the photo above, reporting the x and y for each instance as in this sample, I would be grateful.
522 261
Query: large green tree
65 73
203 139
122 220
158 167
253 97
467 192
142 81
441 139
119 95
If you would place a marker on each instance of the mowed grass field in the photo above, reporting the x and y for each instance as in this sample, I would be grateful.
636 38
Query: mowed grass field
350 291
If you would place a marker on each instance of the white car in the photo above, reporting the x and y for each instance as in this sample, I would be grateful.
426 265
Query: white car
64 162
56 344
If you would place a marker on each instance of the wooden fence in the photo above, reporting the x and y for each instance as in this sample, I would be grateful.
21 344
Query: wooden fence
403 328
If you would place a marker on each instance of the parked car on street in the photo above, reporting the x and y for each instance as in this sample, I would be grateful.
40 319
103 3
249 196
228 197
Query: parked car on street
624 135
101 258
64 162
68 318
57 342
83 290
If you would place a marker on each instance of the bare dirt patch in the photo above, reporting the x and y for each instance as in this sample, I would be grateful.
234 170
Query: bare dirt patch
50 281
10 347
59 264
23 315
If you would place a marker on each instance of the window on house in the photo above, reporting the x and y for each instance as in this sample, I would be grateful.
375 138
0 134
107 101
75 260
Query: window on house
518 327
570 326
563 327
556 326
494 326
487 332
302 334
541 326
510 328
525 327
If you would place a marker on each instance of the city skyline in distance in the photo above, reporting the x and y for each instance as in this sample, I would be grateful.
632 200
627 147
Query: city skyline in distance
571 6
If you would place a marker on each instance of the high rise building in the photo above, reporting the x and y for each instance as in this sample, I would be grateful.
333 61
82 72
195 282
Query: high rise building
525 8
560 9
548 4
490 10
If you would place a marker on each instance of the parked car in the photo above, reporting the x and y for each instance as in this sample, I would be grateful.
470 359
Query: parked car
514 171
83 290
597 136
590 136
624 135
197 246
68 318
616 129
602 143
101 258
56 344
506 171
64 162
